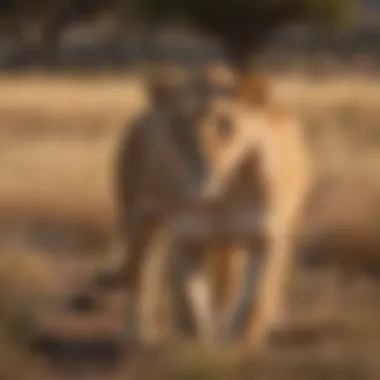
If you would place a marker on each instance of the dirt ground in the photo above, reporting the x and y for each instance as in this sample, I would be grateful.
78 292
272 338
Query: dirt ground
57 139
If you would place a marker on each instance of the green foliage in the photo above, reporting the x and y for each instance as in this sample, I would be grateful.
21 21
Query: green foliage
245 24
216 16
332 13
213 15
241 25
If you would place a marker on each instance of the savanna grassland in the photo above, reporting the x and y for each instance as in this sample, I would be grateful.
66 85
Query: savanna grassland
57 141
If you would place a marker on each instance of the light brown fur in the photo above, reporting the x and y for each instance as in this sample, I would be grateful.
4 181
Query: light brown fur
155 177
155 173
258 164
209 240
284 171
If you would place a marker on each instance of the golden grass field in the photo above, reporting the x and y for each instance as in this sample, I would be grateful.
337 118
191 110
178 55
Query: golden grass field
57 139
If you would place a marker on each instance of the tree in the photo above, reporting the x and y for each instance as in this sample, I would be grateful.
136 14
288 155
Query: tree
243 26
45 19
50 18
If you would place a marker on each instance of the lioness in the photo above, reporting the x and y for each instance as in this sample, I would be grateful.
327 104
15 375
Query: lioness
249 129
160 167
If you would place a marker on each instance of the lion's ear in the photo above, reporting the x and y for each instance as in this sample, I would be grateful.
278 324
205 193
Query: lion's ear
165 84
162 92
220 75
254 90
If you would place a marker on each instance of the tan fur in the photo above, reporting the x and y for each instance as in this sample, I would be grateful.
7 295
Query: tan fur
154 184
220 75
254 90
271 182
211 237
165 83
152 177
286 177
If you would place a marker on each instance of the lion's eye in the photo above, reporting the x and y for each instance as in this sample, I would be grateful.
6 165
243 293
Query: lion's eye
225 127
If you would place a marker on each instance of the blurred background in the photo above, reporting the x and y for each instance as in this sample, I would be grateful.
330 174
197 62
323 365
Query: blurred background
70 80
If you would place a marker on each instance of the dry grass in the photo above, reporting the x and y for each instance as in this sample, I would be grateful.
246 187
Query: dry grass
198 363
24 279
57 139
69 96
50 161
357 91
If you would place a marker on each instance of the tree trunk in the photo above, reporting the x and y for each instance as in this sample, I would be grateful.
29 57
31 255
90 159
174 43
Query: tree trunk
48 54
239 56
51 30
123 20
241 49
249 39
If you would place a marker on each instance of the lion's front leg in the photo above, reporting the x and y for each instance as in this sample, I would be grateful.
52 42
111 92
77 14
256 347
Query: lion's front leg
272 289
187 291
